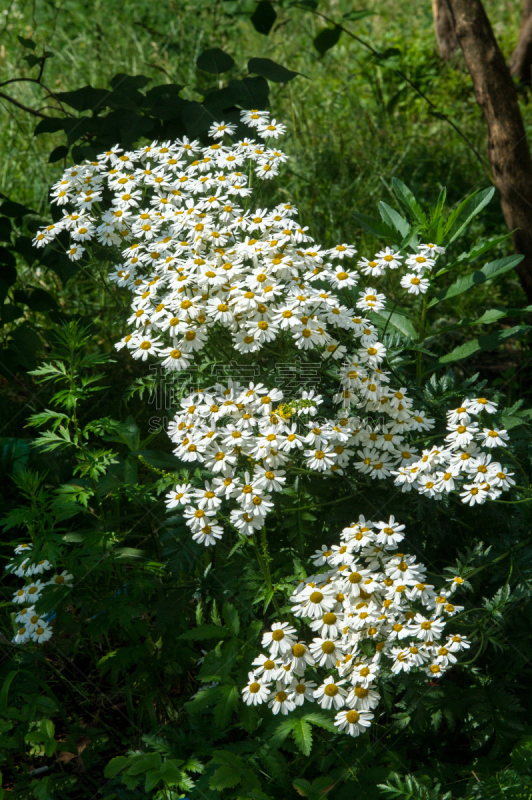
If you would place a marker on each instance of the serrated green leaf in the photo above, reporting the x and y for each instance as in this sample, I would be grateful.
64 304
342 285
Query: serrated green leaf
302 733
224 778
281 732
231 618
143 763
153 777
202 699
206 632
323 721
115 766
521 755
227 704
227 759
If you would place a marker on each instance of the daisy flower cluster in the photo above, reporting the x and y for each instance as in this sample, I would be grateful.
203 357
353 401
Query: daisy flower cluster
196 260
202 261
371 611
465 463
245 436
32 626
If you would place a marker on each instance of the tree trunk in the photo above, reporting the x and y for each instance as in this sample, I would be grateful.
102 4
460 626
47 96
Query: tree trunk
444 29
508 149
521 60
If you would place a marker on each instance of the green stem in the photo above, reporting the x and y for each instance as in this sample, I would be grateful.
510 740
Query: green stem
513 502
264 564
419 355
320 505
501 557
517 464
299 531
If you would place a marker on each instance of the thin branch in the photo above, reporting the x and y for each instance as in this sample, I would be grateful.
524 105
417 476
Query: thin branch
405 77
23 107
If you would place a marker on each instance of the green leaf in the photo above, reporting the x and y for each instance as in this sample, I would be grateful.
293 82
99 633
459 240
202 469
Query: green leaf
143 763
203 698
322 721
40 300
49 125
406 197
231 618
375 227
392 217
489 271
48 728
228 703
224 778
58 153
153 777
402 323
353 16
32 60
271 70
228 759
165 101
488 342
480 248
115 766
206 632
10 312
302 733
302 786
251 92
462 216
4 693
29 44
106 657
263 18
491 315
281 732
389 53
86 98
327 38
8 272
11 209
521 755
170 773
28 344
5 229
215 61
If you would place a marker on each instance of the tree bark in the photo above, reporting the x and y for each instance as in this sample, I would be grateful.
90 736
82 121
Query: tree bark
521 60
444 29
508 149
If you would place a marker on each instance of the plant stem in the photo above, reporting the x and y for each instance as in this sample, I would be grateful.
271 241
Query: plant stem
422 324
264 564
